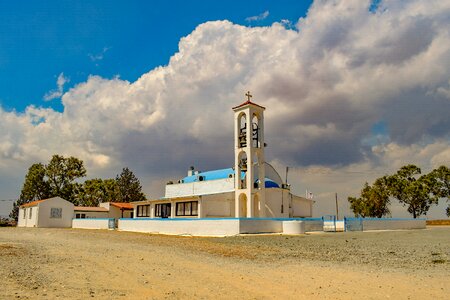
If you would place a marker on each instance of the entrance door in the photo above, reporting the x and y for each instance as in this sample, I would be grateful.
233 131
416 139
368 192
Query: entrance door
165 210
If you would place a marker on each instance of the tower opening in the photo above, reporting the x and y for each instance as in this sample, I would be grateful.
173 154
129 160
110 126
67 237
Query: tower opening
255 132
242 136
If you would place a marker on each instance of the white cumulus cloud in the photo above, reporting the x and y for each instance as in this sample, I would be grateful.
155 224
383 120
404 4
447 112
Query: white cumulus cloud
259 17
58 92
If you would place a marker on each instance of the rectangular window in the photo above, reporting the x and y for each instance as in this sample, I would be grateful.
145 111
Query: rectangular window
80 216
163 210
24 213
55 213
143 210
187 208
31 213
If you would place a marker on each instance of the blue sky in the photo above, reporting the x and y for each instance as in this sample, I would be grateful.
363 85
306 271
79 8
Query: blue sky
341 81
42 39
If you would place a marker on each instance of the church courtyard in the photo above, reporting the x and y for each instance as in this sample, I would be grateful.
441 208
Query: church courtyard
39 263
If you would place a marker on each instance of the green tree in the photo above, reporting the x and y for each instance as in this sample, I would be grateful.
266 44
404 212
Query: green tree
62 173
374 200
129 187
440 184
411 190
35 187
95 191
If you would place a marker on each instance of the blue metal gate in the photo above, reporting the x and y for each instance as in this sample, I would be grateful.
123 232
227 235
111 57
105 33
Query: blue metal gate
353 224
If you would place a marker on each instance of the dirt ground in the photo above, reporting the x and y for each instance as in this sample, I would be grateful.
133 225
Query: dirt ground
40 263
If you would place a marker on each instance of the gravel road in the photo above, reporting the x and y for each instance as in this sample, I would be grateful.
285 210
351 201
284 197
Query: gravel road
38 263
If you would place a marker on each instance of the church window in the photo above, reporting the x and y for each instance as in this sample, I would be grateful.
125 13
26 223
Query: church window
187 208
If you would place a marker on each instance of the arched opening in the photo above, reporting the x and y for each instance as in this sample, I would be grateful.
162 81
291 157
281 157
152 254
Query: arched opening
242 205
242 133
256 143
242 170
256 206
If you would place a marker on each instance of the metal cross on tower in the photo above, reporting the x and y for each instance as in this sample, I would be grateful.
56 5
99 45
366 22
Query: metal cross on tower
248 95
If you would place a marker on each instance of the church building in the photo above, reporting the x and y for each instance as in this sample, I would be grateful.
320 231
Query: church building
250 189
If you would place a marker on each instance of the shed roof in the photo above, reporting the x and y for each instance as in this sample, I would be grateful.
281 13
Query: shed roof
34 203
122 205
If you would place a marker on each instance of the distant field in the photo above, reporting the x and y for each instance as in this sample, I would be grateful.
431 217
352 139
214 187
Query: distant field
438 222
79 264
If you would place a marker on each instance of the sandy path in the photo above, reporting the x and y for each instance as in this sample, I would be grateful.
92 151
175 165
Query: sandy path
77 264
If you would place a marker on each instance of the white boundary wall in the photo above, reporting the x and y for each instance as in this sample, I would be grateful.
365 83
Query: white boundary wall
198 227
260 226
393 224
212 226
94 223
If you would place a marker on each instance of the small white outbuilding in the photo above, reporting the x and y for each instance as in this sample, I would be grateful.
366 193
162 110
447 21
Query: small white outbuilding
52 212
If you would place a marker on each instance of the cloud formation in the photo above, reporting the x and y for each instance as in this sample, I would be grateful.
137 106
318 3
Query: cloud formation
99 56
259 17
327 85
58 92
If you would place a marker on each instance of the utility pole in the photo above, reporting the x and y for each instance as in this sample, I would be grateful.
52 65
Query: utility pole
337 208
287 170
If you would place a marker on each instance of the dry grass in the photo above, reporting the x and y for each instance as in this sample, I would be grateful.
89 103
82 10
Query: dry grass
438 222
8 249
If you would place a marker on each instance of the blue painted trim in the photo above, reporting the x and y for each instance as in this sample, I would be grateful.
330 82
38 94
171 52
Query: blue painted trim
386 219
94 219
215 219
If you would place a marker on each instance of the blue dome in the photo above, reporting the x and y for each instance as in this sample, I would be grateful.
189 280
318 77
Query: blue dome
271 184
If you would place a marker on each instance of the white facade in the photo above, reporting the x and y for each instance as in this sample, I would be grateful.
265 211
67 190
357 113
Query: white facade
53 212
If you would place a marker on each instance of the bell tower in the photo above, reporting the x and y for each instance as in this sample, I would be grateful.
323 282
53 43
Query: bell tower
249 160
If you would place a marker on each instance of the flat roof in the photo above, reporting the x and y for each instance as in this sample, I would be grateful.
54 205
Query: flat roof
90 208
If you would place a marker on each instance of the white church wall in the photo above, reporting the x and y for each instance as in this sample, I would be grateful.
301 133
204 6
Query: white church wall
274 199
200 188
220 205
301 207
